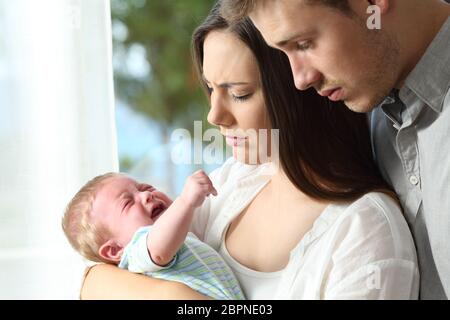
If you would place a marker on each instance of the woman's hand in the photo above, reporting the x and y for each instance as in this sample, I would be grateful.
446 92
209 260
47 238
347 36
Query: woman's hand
108 282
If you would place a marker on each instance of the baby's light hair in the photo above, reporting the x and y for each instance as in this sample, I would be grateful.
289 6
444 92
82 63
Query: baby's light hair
84 236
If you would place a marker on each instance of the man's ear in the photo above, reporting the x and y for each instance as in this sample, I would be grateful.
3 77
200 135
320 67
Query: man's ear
382 4
111 251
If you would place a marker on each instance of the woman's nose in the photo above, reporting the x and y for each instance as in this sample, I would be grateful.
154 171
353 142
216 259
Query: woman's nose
218 114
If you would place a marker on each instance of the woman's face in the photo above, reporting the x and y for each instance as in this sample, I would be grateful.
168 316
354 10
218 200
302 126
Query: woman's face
237 103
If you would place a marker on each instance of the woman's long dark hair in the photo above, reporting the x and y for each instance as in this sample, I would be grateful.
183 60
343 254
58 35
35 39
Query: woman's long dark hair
324 147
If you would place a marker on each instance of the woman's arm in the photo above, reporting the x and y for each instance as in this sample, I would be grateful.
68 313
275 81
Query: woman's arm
109 282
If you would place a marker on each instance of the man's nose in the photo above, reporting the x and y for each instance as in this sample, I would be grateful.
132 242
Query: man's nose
305 76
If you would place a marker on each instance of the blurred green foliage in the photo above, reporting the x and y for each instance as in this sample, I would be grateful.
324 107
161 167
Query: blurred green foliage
126 163
169 92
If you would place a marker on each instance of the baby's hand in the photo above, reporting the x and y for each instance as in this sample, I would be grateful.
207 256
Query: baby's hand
198 186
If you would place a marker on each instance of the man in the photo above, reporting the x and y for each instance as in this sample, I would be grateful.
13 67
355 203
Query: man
391 57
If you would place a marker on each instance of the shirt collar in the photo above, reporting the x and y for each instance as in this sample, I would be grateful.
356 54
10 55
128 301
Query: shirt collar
430 79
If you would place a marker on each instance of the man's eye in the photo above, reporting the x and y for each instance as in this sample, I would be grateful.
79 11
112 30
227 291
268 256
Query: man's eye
302 46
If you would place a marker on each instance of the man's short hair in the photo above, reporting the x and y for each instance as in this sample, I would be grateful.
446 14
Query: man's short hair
234 10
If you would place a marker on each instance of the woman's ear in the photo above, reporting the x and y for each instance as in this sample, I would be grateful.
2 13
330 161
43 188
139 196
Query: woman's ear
111 251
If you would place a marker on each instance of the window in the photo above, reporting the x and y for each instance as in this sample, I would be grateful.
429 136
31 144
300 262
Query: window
157 90
57 130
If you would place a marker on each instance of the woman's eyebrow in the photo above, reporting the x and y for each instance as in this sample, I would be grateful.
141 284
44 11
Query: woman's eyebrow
228 84
232 84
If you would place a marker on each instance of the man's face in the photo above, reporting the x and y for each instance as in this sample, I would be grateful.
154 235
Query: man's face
331 51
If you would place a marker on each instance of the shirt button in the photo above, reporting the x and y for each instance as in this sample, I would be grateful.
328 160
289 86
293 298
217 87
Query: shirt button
414 180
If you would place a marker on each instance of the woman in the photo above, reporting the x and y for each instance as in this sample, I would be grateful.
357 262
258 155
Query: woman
325 226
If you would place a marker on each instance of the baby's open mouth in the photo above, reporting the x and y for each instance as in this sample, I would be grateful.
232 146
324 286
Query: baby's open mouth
157 210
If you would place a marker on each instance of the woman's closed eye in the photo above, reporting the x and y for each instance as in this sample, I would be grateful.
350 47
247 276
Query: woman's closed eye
241 98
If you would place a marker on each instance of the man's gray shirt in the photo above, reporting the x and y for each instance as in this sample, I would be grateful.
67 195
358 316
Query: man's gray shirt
411 143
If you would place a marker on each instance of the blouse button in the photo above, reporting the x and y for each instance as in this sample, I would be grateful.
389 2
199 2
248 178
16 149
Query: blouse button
413 180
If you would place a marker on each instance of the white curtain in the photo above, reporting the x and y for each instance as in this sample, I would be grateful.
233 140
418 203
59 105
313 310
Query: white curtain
56 131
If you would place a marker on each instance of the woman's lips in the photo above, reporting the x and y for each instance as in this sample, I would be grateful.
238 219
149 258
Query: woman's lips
235 141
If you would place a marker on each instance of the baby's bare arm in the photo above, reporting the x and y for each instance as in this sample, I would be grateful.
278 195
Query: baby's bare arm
170 230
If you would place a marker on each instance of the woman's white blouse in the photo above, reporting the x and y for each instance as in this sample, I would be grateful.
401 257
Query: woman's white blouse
359 250
256 285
